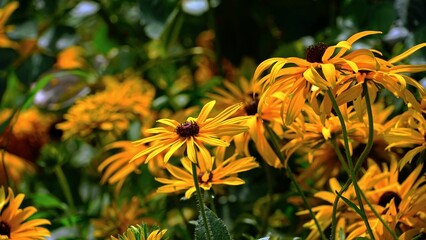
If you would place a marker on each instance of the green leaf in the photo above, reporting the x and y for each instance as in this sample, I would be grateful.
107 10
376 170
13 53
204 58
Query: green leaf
219 231
350 204
43 82
47 201
5 124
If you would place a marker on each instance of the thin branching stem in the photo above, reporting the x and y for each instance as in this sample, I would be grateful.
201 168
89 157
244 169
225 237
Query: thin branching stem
277 150
350 162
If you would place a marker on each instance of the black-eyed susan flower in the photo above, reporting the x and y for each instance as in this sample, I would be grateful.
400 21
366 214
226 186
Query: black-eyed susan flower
399 201
242 91
388 75
111 111
209 174
5 13
308 132
193 134
115 218
295 78
14 223
116 168
345 215
138 232
408 131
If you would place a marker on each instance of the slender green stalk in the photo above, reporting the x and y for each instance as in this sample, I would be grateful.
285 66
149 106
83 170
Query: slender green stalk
365 153
339 154
335 203
65 187
370 139
277 150
200 202
350 162
395 237
343 189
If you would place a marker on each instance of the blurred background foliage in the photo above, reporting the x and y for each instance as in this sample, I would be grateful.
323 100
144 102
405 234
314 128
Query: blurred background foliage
184 48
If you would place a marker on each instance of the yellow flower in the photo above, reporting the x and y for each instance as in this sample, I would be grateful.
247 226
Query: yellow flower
401 204
223 173
115 219
387 75
117 168
308 132
320 71
409 131
27 133
193 133
71 58
5 13
242 91
345 214
140 233
16 168
111 111
14 223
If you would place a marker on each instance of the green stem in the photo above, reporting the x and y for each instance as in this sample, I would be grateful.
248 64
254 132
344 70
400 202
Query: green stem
347 184
350 163
395 237
370 139
65 187
336 201
339 154
200 202
276 147
365 153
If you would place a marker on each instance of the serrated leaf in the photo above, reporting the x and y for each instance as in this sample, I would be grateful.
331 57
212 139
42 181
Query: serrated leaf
218 229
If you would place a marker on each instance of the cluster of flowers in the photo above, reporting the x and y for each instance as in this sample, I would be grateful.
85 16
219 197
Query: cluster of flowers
324 109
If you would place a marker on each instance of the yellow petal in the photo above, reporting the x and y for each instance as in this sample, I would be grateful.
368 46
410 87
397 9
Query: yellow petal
205 111
407 53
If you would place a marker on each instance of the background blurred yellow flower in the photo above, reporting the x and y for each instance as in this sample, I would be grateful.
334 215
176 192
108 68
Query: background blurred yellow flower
5 13
111 111
116 218
139 232
71 58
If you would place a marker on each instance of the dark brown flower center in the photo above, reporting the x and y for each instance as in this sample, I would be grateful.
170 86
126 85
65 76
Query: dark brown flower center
4 229
315 52
200 177
387 197
188 129
251 106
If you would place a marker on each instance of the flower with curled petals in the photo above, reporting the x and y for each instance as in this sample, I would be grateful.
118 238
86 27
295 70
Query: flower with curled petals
193 133
209 174
297 79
